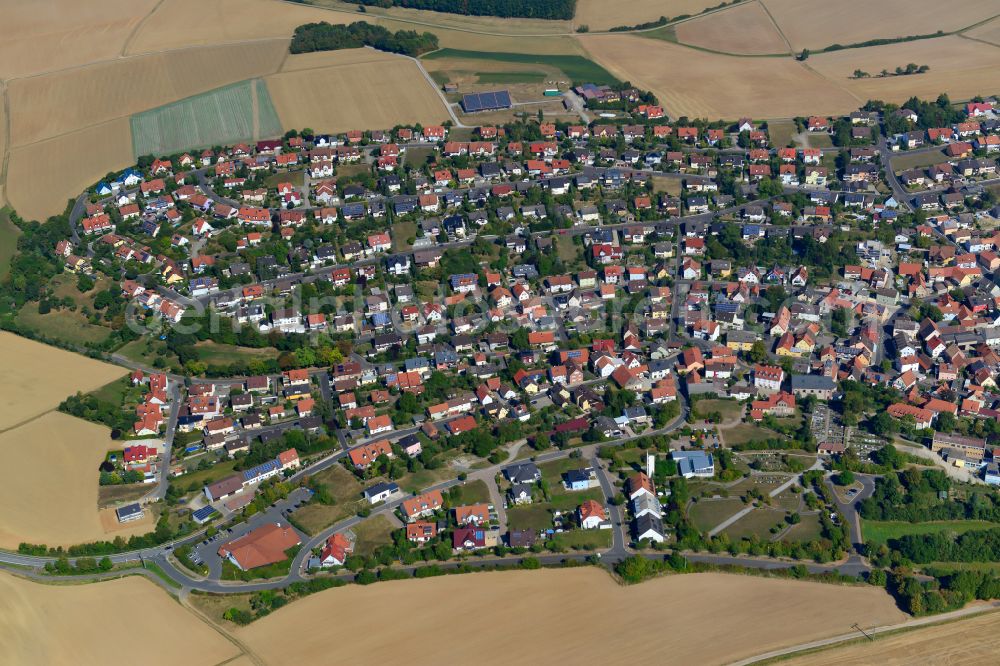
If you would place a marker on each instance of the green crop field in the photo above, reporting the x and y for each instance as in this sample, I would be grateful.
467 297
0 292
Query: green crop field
877 532
576 68
239 112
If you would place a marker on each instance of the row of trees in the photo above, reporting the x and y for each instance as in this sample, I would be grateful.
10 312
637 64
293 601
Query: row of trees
538 9
325 37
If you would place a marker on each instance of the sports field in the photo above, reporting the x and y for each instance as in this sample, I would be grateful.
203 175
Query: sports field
118 622
744 28
339 93
239 112
532 605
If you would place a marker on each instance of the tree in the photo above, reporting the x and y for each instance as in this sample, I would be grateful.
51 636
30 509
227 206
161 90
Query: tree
845 478
804 55
758 352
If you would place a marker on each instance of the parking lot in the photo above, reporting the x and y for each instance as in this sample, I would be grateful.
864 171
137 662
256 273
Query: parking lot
207 551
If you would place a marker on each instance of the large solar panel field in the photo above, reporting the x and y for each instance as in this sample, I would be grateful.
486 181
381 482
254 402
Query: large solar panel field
486 101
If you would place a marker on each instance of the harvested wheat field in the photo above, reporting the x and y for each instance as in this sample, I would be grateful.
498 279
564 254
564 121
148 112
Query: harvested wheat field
124 621
181 23
46 35
300 61
51 105
745 28
698 84
960 67
48 483
987 32
968 642
43 176
816 25
38 377
536 606
605 14
345 94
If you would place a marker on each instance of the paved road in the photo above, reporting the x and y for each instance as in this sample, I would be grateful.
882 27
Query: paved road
850 509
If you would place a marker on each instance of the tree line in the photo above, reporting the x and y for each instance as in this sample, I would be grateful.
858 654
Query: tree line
325 37
538 9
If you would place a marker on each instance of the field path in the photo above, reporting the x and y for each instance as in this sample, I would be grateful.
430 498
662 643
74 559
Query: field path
255 110
777 27
127 45
240 645
854 636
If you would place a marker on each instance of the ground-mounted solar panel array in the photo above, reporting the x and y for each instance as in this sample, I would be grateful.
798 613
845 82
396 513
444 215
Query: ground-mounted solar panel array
486 101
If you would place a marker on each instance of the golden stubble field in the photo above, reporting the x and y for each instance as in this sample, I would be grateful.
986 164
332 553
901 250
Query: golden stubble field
45 35
565 616
38 377
698 84
745 28
126 621
48 484
967 642
817 25
46 106
605 14
960 67
343 90
988 32
43 176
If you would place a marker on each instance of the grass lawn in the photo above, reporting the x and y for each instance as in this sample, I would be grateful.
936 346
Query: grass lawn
294 177
372 533
741 433
145 350
781 132
730 409
61 324
758 521
417 157
214 605
583 539
569 500
567 250
214 353
788 500
126 492
879 531
8 241
552 471
530 517
425 289
346 490
511 77
807 530
195 480
577 68
706 514
418 481
905 161
820 140
402 232
115 392
472 493
158 570
671 186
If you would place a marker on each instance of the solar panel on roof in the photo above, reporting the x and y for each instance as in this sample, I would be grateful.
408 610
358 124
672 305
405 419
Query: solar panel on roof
486 101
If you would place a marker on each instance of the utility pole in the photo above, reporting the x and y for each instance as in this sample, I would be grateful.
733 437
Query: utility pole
866 634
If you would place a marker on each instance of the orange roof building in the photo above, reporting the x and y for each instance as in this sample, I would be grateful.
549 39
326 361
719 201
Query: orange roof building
260 547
